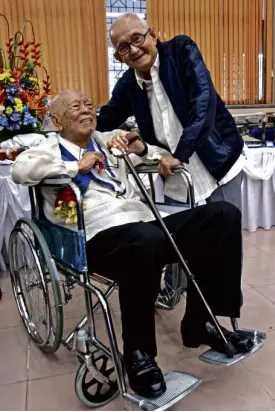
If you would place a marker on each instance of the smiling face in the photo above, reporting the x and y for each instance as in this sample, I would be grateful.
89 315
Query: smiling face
74 115
127 29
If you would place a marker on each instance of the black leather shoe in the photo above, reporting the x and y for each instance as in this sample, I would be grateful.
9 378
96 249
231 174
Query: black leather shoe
145 377
208 335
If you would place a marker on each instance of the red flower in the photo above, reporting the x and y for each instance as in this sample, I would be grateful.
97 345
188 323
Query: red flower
3 96
66 196
23 96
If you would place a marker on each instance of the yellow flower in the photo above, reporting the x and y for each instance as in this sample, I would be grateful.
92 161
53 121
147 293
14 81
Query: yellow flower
17 101
11 79
5 75
9 110
33 79
18 108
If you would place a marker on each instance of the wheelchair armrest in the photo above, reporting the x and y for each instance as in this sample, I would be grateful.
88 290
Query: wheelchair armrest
56 180
153 168
147 168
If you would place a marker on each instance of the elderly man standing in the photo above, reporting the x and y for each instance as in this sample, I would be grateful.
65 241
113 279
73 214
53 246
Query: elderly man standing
126 244
169 91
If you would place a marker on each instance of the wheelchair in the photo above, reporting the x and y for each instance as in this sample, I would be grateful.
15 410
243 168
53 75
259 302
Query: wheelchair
43 255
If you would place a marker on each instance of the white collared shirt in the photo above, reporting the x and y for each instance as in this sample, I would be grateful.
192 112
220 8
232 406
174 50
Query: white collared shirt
104 208
168 131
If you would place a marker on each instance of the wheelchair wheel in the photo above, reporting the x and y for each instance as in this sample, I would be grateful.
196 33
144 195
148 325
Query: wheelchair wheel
89 390
172 287
35 285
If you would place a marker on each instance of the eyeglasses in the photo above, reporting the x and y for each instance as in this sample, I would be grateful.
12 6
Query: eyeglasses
137 40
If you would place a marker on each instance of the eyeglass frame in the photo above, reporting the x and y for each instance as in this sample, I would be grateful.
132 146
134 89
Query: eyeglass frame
130 43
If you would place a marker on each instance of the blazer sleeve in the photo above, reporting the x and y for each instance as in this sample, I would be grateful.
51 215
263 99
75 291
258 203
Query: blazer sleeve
117 110
36 163
201 95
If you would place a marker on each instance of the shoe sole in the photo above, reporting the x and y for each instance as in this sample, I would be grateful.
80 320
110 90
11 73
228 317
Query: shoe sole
151 395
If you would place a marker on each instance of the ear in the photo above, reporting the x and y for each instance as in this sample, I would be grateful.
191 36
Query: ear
56 122
118 57
153 33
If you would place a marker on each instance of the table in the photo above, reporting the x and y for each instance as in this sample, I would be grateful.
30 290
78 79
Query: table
14 204
258 188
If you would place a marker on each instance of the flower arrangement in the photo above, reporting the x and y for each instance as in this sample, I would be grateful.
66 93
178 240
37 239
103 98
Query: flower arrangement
65 206
23 102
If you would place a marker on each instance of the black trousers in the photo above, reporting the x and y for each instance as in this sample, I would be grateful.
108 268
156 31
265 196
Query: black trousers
209 238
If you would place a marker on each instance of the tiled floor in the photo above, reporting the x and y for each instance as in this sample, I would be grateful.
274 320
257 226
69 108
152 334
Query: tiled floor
30 380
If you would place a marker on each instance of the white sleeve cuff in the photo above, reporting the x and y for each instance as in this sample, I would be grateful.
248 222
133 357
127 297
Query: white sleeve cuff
71 168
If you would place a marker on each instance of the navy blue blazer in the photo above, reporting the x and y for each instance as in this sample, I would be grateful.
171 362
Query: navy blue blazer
207 126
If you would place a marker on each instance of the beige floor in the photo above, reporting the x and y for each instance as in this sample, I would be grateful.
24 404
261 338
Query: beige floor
30 380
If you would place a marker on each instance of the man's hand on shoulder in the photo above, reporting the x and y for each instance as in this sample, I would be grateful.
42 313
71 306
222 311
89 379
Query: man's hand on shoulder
166 165
91 160
127 142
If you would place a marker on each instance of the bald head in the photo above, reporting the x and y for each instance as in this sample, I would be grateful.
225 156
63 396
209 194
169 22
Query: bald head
72 112
126 22
60 102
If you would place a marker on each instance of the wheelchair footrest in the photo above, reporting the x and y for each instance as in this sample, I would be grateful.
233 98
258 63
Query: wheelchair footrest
179 384
251 333
217 358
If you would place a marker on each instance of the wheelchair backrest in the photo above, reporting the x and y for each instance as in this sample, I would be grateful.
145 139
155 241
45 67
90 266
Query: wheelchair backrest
67 246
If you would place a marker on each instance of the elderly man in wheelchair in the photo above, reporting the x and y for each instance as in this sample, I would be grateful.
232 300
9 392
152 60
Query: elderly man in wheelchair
125 243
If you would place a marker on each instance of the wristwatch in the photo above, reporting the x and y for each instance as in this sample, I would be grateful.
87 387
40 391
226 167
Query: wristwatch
145 150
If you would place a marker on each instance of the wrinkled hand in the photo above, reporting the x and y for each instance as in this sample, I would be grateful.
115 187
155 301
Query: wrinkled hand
126 142
90 160
166 164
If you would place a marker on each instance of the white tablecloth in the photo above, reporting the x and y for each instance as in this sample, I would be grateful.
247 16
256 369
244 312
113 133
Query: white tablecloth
14 204
258 194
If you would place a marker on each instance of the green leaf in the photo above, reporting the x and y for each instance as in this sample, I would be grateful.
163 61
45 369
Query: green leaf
30 67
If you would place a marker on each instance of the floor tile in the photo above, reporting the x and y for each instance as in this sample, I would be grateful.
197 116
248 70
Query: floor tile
9 313
227 388
13 397
259 270
5 282
262 364
13 355
58 394
248 385
263 240
257 312
268 292
249 250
